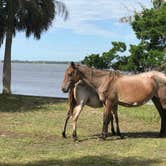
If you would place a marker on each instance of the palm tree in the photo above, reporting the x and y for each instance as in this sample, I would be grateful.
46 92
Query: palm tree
31 16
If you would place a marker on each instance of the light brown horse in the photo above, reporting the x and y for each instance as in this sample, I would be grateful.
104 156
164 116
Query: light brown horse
114 88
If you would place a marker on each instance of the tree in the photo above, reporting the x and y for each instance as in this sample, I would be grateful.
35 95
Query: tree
150 29
107 59
156 4
111 57
31 16
94 60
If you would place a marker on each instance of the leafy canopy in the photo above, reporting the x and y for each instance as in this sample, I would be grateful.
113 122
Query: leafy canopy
31 16
107 59
150 53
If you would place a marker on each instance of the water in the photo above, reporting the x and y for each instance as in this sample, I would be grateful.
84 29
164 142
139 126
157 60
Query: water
36 79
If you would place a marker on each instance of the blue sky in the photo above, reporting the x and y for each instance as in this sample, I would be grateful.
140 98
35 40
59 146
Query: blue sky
91 28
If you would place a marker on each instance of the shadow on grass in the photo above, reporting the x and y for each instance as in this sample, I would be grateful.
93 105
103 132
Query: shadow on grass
110 137
145 134
91 160
17 103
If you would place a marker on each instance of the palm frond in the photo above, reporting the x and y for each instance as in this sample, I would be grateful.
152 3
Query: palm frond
61 9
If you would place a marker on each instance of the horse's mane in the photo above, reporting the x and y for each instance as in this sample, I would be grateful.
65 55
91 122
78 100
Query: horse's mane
99 72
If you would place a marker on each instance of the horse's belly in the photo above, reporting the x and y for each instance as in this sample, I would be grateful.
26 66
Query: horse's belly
135 93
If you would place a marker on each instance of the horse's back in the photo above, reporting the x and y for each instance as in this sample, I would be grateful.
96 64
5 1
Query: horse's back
86 95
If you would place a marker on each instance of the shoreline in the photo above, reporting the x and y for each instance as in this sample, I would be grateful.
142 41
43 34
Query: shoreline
40 62
61 99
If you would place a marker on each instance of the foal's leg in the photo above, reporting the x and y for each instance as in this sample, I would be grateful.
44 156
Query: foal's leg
77 112
69 114
72 104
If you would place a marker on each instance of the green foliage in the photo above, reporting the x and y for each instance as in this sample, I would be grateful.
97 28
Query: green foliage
158 3
150 53
33 17
150 28
142 60
107 59
94 60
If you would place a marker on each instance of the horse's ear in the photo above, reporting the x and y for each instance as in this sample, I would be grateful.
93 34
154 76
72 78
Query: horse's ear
73 65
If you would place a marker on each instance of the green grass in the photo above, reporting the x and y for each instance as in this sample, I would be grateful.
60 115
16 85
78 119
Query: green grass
30 135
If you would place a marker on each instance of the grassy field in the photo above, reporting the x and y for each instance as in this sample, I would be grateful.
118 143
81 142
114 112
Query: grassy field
30 135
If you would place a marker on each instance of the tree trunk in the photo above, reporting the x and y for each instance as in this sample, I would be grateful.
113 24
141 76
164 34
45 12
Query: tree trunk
8 45
7 64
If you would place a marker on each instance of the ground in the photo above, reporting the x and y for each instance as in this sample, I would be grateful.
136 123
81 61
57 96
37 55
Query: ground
30 135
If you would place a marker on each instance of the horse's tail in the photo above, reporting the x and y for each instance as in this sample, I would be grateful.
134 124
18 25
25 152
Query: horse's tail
160 77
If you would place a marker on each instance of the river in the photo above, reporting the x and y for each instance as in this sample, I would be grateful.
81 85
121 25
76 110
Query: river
36 79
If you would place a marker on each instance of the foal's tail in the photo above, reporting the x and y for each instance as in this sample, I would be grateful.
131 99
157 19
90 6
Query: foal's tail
159 77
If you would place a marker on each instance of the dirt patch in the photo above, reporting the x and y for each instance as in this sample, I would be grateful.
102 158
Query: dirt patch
15 135
51 138
10 134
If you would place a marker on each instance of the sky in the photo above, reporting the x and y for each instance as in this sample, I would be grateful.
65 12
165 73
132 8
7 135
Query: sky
90 28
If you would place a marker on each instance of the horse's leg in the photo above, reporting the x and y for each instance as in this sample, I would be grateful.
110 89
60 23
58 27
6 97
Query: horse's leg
106 119
110 118
78 110
115 112
162 114
72 104
112 124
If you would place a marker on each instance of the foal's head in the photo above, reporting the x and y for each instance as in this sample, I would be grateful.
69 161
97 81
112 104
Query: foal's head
71 76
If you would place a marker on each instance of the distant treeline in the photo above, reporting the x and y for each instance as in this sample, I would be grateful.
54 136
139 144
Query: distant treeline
43 62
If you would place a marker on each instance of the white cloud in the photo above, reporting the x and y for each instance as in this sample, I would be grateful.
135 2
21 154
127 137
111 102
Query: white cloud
83 14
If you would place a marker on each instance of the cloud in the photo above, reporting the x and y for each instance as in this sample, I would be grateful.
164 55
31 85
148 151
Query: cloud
84 13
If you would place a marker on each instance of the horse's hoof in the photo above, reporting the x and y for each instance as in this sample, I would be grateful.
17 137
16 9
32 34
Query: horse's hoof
113 133
75 139
102 137
122 137
109 134
64 135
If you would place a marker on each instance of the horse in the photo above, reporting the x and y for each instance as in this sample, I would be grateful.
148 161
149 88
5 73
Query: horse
115 89
79 95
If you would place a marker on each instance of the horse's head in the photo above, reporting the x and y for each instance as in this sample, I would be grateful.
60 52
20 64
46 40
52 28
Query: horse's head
71 76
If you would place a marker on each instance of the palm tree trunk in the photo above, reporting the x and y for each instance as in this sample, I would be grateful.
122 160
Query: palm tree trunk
7 64
8 45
